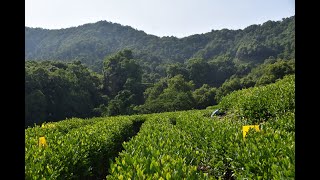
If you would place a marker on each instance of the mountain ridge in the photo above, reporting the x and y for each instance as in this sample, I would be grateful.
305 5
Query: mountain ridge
92 42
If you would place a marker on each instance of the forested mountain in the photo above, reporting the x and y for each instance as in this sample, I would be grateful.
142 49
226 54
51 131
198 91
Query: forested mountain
90 43
106 69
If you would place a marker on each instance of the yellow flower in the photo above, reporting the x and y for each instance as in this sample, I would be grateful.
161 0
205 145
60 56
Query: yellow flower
245 129
42 142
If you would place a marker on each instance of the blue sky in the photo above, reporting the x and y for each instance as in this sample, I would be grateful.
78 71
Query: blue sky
178 18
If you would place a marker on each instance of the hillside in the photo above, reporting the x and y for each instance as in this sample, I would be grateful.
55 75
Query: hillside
174 145
90 43
107 69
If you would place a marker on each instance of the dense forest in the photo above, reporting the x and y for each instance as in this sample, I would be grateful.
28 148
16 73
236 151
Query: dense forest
106 69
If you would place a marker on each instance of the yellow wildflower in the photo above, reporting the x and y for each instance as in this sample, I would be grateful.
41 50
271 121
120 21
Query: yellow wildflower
42 142
245 129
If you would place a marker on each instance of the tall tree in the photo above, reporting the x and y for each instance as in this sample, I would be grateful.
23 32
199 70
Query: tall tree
55 91
168 95
119 70
122 79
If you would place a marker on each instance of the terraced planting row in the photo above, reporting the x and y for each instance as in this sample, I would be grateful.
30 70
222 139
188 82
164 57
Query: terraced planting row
83 151
188 145
174 145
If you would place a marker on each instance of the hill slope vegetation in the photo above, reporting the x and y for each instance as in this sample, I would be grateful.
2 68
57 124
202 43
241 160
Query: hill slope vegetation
106 69
174 145
90 43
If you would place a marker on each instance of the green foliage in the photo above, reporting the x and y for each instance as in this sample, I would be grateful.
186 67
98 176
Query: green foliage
76 148
257 104
154 91
90 43
175 145
55 91
168 95
137 68
204 96
276 70
150 154
122 104
227 87
176 69
198 71
36 106
269 154
122 83
119 70
187 144
266 73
